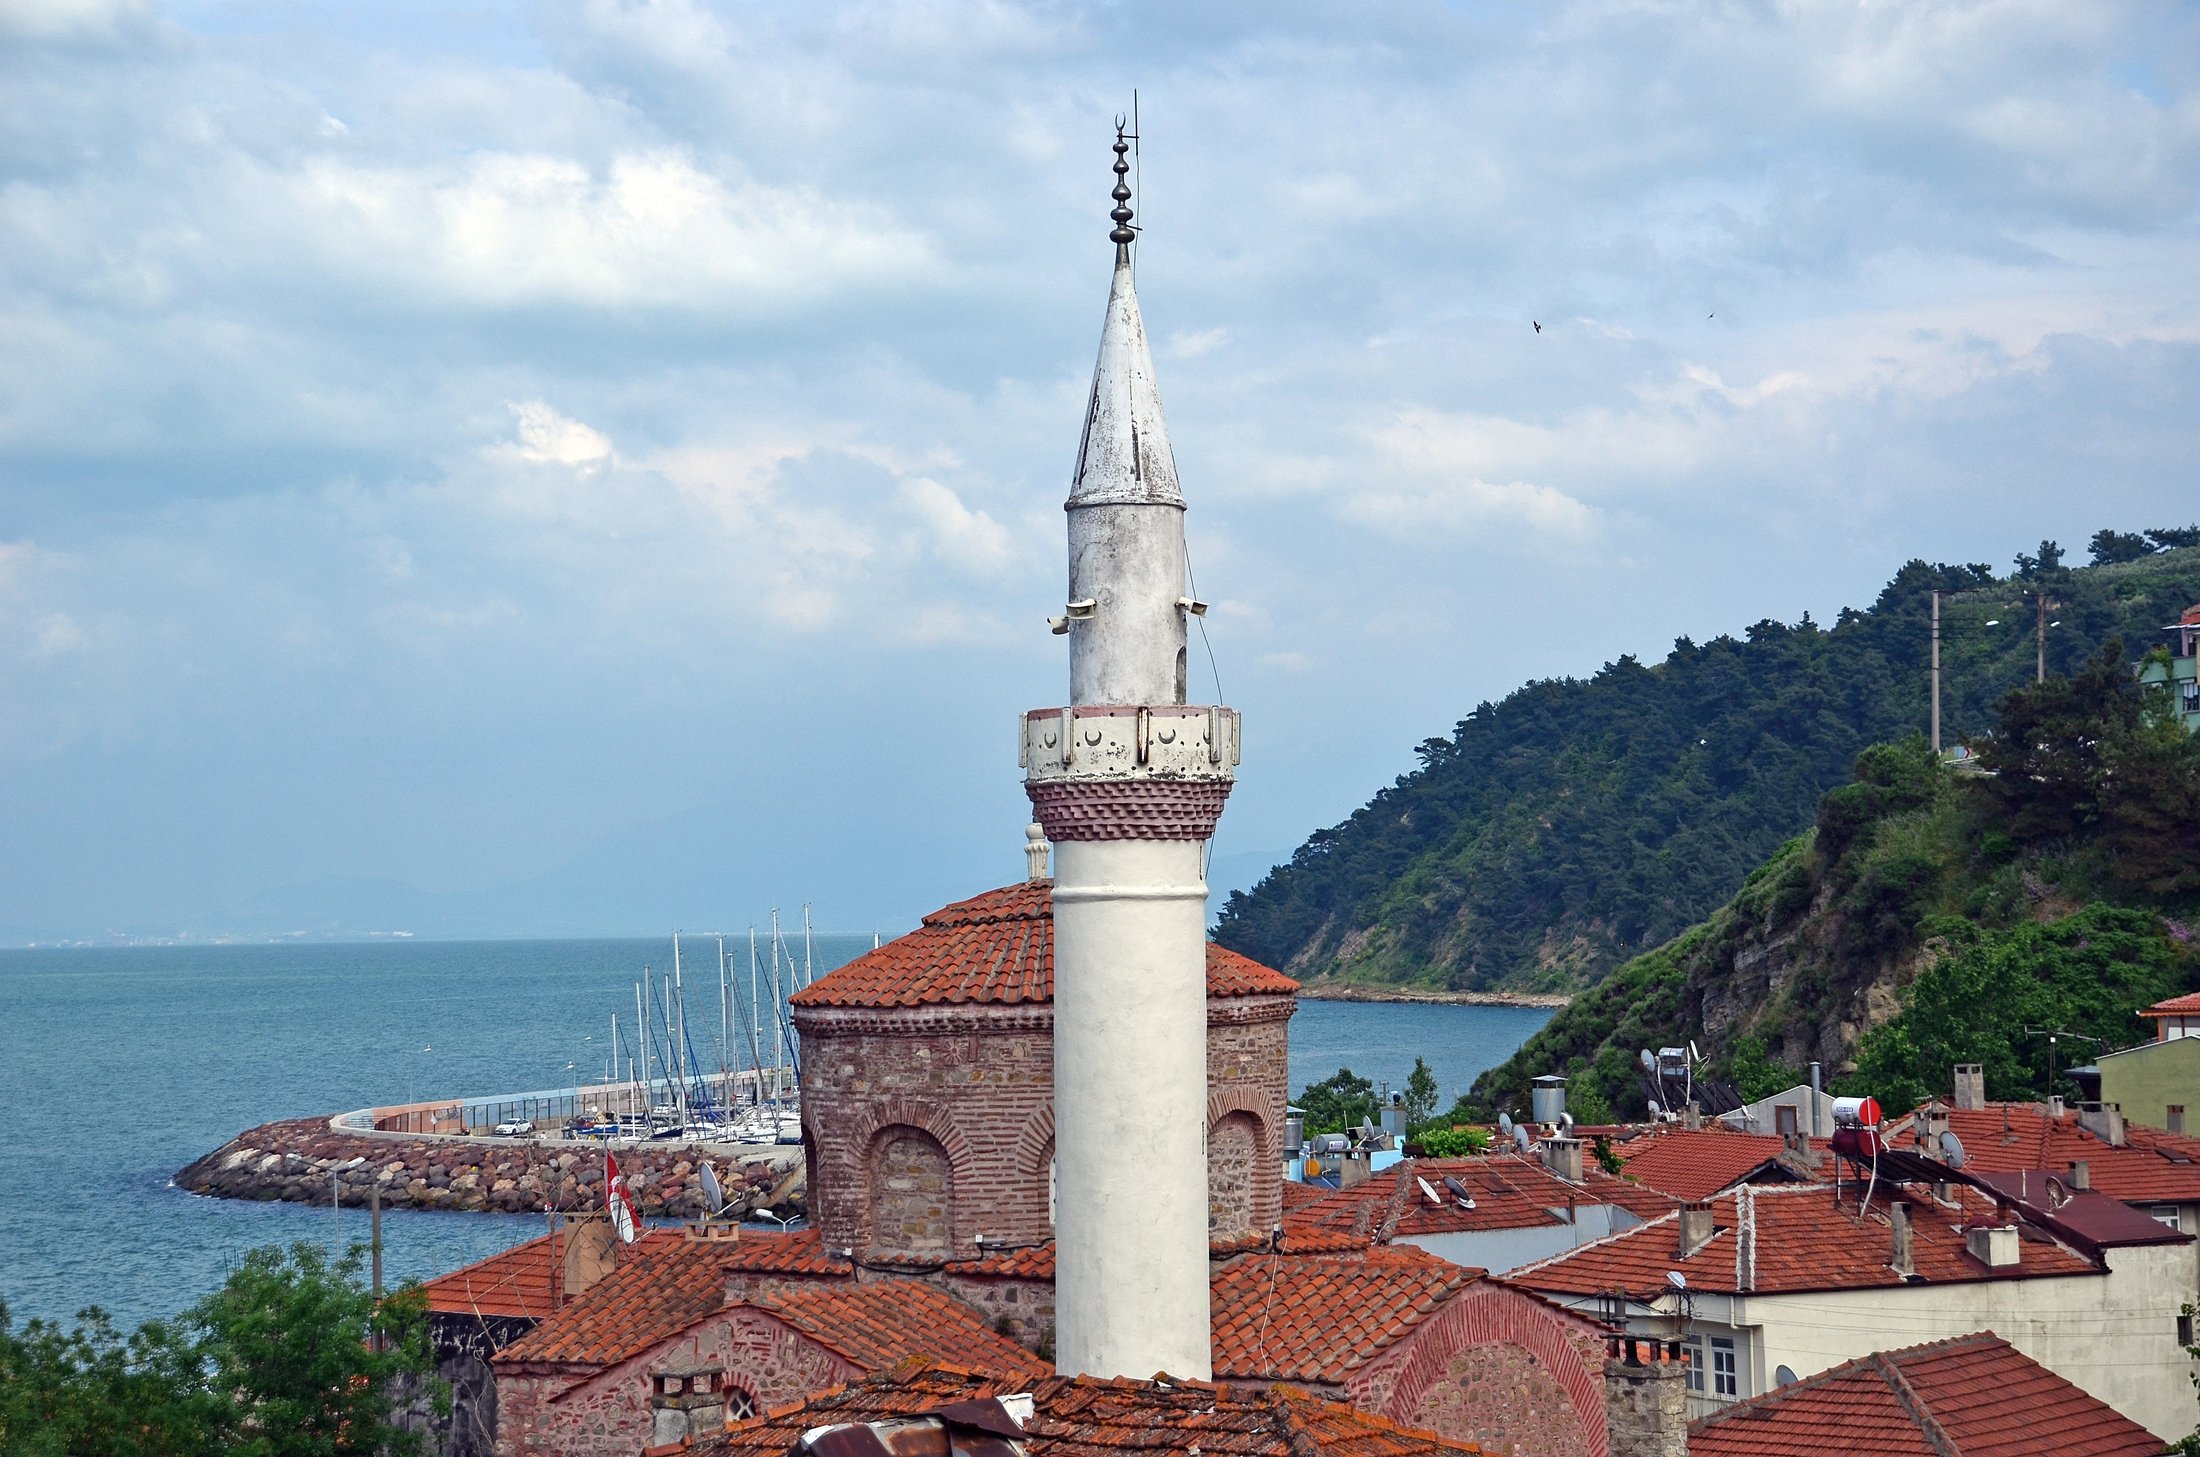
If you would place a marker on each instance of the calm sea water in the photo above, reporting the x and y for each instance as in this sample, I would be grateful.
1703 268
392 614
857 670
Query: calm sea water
118 1067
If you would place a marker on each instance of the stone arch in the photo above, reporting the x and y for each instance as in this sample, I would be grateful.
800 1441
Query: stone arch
910 1113
1484 1328
1035 1143
1234 1166
912 1206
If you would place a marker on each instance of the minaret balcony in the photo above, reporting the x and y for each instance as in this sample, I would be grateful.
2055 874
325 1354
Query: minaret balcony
1159 741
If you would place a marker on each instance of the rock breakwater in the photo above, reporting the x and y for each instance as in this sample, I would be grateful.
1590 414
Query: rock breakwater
298 1159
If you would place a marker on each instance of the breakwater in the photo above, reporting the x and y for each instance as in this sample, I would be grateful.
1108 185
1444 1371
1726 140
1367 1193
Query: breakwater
306 1160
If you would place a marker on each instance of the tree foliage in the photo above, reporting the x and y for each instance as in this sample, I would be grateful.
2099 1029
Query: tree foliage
1578 823
1420 1094
291 1357
1338 1102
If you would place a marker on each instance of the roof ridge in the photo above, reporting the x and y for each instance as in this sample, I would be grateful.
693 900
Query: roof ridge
1936 1436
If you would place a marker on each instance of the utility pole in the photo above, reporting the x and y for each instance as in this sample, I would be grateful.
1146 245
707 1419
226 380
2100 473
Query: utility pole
1936 671
374 1239
2041 675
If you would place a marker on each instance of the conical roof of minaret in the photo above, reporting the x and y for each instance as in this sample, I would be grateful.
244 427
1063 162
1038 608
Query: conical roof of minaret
1124 458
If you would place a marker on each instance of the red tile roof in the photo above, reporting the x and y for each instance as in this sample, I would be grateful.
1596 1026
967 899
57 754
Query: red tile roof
1803 1243
1319 1317
876 1324
1696 1164
994 948
1088 1417
2184 1006
2151 1167
1509 1192
664 1283
512 1284
1974 1396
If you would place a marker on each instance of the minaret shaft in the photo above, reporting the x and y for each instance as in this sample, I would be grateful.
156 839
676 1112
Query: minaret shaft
1128 782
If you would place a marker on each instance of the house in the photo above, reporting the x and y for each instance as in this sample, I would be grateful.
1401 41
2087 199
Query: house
1495 1212
2179 677
2156 1082
1769 1284
1801 1109
1690 1164
952 1412
1970 1396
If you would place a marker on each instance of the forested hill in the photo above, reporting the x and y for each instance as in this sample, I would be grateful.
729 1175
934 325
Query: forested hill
1579 823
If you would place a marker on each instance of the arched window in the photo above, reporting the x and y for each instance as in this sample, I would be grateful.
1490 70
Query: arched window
740 1403
912 1197
1233 1164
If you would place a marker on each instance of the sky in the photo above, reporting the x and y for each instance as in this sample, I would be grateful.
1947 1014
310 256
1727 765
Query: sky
595 466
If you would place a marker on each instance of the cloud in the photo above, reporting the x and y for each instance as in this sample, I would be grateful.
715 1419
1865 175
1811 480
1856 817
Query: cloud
546 436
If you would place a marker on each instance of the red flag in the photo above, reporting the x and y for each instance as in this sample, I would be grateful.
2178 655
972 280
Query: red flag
620 1201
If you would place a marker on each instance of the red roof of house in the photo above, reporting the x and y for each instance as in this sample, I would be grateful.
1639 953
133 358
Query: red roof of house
1509 1192
1085 1416
511 1284
1974 1396
995 948
2184 1006
2152 1167
876 1324
1696 1163
663 1284
1318 1317
1804 1242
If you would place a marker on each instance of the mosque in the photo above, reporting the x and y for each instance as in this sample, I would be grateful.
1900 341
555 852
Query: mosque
1044 1135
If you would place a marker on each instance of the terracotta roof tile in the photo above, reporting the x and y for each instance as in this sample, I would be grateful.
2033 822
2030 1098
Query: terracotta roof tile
513 1284
2151 1167
1089 1417
1974 1396
2182 1006
1803 1243
662 1286
1696 1163
877 1324
1319 1317
1509 1192
996 948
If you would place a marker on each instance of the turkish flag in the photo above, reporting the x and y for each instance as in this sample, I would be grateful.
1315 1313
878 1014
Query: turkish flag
620 1201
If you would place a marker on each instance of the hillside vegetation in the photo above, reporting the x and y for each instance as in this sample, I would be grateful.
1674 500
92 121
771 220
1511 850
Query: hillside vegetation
1579 823
1930 916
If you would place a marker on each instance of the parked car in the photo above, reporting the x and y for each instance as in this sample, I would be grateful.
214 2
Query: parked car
514 1128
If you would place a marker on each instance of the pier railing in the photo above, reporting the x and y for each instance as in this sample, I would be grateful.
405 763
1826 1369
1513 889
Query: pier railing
554 1108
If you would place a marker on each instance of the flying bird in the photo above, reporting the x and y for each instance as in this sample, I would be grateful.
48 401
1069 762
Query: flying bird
1538 327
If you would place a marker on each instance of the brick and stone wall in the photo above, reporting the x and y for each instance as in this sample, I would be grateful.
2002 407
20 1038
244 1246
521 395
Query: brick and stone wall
927 1127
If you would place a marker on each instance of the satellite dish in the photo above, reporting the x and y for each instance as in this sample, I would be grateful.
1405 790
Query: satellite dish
1521 1140
1429 1190
1675 1279
1649 1061
1504 1125
1655 1110
1951 1149
1784 1376
713 1195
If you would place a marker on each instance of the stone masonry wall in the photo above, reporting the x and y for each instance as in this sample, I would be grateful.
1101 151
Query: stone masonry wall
294 1159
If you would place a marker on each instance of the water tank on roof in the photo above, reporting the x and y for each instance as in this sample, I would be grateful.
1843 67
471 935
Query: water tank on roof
1547 1099
1856 1113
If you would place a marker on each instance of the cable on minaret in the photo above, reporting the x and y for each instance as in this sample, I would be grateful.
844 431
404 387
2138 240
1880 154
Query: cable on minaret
1123 234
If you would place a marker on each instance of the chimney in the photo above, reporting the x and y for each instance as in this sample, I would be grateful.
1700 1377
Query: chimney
1903 1260
2081 1174
1970 1089
1352 1170
1696 1228
1992 1245
1645 1397
2104 1121
1128 779
1692 1117
686 1404
1562 1156
1931 1123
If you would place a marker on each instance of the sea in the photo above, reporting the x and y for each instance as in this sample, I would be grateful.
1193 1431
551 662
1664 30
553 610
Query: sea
119 1066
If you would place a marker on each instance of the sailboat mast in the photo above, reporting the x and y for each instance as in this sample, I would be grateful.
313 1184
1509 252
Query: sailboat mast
672 1055
682 1055
756 1025
725 1029
641 1036
809 966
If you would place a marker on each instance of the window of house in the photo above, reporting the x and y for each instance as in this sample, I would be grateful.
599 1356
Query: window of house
2175 1118
2165 1214
1784 1120
740 1405
2184 1330
1724 1381
1694 1346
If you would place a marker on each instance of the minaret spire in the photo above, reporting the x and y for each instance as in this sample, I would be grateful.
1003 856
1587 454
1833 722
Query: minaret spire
1128 781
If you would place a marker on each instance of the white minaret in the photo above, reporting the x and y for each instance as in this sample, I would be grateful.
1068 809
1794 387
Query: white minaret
1128 782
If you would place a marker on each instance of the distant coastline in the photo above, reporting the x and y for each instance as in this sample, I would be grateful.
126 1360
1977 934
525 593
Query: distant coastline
1332 991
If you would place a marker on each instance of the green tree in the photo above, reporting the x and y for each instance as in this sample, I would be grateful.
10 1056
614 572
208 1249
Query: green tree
1421 1094
290 1358
2049 750
2109 547
1337 1103
2169 538
2152 809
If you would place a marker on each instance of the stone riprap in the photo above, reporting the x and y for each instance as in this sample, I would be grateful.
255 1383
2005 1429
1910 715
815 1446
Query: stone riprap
294 1160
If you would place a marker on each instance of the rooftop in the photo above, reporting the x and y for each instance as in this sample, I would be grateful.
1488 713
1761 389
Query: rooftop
1507 1192
511 1284
1697 1163
1804 1242
1318 1317
2184 1006
1088 1417
1974 1396
997 949
2151 1166
876 1324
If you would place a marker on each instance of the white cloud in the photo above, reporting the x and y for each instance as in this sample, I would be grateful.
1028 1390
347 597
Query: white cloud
68 19
549 437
